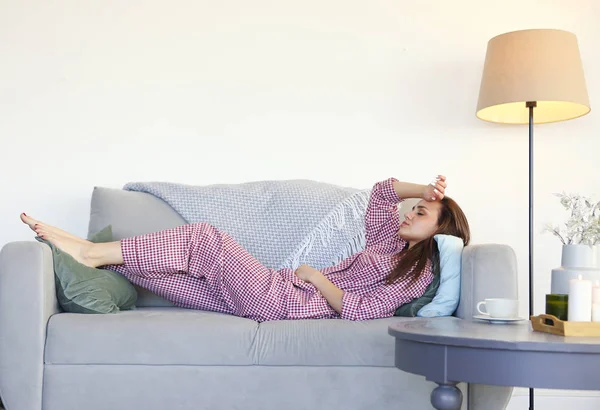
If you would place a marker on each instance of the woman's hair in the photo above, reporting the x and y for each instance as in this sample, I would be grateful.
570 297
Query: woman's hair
451 221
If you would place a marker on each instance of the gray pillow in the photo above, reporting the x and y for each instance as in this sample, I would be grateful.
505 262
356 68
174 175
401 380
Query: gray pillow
82 289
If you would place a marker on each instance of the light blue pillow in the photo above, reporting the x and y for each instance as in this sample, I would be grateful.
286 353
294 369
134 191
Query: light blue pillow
446 299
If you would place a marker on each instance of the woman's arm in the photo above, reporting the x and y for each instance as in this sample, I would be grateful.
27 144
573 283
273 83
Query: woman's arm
379 304
382 219
428 192
330 292
407 190
383 301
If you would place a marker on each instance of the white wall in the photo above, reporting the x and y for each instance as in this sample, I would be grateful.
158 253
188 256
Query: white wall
341 91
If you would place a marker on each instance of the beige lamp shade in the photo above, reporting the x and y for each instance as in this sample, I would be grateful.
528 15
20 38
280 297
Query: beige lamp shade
532 65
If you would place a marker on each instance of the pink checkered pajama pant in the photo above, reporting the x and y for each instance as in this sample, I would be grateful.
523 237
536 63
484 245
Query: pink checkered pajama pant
201 267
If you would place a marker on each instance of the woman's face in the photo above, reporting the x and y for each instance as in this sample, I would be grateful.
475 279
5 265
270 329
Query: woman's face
421 222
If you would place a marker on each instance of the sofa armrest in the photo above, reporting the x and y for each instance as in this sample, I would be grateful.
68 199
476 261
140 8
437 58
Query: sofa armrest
488 271
27 300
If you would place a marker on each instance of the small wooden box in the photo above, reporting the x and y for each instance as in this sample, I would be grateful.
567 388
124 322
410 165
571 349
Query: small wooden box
564 328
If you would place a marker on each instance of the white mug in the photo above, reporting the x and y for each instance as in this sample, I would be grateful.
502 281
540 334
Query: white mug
500 308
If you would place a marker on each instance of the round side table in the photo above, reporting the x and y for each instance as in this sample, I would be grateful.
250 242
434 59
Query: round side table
450 350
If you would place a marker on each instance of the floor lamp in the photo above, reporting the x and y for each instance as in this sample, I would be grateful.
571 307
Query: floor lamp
532 70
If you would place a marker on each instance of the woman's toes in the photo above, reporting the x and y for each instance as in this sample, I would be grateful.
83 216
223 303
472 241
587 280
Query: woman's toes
28 220
48 232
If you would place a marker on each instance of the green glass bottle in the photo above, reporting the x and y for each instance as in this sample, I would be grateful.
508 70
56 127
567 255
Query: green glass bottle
557 305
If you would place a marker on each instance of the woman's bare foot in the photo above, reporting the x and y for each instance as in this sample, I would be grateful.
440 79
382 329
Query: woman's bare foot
77 247
34 223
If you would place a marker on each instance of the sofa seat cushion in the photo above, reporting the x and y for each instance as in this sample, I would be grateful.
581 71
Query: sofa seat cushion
159 335
326 342
175 336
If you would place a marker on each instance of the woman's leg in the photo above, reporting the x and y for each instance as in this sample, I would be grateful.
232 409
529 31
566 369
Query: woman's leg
157 254
187 249
182 290
234 277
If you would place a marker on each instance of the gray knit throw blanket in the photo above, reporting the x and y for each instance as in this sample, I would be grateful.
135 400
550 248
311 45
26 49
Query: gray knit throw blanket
283 224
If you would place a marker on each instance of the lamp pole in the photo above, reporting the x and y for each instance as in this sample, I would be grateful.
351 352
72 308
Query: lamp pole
531 105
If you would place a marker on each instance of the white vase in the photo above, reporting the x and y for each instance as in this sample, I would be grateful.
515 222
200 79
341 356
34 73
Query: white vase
576 260
577 256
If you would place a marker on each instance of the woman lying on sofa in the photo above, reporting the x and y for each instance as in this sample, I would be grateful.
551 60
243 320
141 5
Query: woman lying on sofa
201 267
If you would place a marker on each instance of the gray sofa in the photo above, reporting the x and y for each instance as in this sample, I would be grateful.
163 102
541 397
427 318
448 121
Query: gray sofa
160 357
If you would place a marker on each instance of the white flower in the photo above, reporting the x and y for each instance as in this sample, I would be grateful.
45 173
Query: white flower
583 225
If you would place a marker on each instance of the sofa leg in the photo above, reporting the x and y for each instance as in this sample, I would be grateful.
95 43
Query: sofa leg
446 397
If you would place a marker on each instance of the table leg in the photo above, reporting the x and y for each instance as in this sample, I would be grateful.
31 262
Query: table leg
446 397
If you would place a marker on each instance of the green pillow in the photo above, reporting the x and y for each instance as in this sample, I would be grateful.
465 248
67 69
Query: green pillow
411 308
81 289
